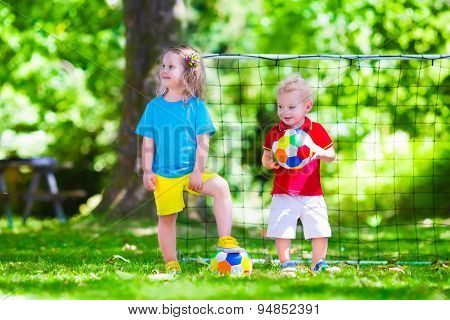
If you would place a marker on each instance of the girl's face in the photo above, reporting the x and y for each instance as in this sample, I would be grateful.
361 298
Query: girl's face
171 70
292 108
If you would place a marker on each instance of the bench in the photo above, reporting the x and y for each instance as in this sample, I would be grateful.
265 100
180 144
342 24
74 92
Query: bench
41 167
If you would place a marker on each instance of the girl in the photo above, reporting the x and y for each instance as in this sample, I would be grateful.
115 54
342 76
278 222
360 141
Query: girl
176 127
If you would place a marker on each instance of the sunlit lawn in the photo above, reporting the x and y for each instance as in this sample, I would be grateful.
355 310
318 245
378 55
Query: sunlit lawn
46 260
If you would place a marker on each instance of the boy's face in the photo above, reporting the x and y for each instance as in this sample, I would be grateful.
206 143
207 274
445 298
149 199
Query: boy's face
292 107
171 70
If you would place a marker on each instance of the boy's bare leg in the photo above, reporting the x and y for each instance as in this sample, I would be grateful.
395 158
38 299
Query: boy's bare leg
319 249
283 249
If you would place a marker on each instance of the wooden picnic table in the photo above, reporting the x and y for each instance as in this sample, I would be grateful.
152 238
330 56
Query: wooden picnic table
41 167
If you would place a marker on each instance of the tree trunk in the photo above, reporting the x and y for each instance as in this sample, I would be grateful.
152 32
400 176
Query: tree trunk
151 26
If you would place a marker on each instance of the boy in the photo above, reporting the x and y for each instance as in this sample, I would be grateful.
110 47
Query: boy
298 193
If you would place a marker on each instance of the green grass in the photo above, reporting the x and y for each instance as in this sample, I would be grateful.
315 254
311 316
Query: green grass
46 260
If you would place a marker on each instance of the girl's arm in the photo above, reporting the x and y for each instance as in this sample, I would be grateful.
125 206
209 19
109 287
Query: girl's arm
267 160
196 182
148 152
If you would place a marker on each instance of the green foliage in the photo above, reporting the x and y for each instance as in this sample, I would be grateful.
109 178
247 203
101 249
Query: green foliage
310 27
366 105
63 61
61 80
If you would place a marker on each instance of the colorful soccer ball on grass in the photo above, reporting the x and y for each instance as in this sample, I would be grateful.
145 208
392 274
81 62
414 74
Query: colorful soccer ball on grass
236 264
294 149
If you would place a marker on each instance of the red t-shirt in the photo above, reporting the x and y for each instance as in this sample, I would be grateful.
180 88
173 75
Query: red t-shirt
305 181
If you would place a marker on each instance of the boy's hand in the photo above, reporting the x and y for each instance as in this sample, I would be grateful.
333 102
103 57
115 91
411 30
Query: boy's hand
149 181
270 164
327 155
196 181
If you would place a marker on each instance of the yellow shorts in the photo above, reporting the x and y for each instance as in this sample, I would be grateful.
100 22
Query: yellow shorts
169 192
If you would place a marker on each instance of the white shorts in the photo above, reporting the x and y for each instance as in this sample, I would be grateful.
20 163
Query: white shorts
285 210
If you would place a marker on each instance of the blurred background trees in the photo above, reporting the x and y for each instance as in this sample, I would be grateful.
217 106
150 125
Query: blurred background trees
63 68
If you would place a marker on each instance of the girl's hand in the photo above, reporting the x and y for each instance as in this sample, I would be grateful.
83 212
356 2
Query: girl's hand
196 181
149 181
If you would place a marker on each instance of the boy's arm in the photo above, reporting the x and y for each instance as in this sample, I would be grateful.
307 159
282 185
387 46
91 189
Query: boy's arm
328 155
148 152
267 160
201 158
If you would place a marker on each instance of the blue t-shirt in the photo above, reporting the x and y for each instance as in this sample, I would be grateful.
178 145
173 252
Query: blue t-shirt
174 126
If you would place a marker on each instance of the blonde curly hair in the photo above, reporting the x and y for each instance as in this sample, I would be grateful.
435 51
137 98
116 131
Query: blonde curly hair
193 78
295 82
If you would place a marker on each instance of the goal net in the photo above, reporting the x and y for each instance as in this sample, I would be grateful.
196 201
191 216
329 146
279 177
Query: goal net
388 192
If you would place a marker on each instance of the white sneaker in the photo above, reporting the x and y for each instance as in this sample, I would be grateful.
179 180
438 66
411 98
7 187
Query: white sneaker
289 268
289 272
